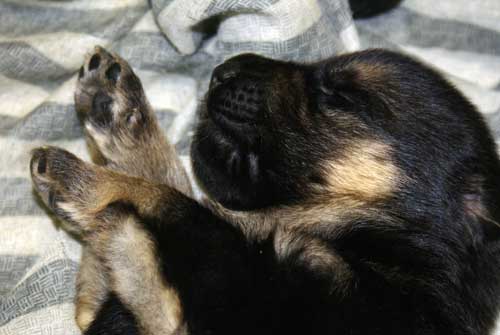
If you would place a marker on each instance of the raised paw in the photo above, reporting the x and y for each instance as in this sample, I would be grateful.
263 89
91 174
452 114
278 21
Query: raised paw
120 122
111 101
65 184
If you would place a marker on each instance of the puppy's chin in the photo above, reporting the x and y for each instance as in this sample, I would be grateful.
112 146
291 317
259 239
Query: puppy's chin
226 167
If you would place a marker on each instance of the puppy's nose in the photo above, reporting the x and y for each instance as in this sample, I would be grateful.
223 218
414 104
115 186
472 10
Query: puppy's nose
237 90
223 73
239 101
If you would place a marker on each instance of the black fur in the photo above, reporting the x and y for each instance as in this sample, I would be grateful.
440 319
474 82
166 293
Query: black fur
435 272
113 319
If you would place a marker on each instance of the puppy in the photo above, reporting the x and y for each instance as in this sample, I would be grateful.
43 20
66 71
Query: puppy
357 195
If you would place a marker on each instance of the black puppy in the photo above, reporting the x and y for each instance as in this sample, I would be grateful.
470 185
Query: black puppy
352 196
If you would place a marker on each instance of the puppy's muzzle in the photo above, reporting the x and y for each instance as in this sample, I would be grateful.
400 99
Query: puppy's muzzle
236 97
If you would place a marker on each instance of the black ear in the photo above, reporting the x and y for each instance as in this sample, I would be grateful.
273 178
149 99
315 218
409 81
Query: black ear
343 89
480 207
338 88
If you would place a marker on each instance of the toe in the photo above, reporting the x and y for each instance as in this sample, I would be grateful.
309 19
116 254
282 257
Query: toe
94 62
39 170
103 52
113 72
38 163
81 72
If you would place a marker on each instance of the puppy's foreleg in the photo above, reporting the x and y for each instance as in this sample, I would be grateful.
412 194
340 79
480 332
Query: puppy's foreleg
92 288
122 128
102 206
121 124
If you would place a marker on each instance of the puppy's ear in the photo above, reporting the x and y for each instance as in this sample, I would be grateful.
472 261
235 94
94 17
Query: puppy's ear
337 87
480 207
358 89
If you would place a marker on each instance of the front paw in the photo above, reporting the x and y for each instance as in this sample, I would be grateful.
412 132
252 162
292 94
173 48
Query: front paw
111 101
65 184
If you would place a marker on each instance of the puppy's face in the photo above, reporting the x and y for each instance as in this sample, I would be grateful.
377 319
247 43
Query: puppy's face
367 127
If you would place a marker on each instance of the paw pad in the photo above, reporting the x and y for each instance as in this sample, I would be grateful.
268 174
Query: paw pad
113 72
111 102
42 164
94 62
101 81
101 114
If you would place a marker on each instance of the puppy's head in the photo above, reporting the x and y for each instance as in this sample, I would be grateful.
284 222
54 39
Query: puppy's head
372 127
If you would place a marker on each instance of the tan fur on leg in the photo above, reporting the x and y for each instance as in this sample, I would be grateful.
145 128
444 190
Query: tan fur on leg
135 276
130 139
91 288
99 204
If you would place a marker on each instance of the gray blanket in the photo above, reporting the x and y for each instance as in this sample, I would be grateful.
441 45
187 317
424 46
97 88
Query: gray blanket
173 45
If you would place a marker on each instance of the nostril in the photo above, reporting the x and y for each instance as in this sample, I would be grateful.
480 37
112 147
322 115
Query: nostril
219 78
226 75
214 82
223 73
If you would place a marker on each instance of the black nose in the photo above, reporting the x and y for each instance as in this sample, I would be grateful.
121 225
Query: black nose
238 100
237 91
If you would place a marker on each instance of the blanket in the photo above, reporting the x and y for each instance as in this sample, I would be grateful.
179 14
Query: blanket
173 45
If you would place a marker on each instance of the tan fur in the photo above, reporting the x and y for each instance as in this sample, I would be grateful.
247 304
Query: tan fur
364 173
86 192
110 187
86 197
142 156
355 183
91 288
313 253
363 176
135 276
134 153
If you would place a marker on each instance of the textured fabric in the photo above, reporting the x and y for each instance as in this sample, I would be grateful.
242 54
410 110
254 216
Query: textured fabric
173 45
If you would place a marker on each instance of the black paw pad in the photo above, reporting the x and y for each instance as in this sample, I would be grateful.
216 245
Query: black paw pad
94 62
42 164
38 163
113 72
101 114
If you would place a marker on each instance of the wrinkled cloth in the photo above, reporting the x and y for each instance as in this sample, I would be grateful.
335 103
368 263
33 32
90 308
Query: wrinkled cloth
173 45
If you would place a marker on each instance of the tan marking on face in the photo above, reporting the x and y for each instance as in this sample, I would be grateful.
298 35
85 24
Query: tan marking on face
356 182
365 173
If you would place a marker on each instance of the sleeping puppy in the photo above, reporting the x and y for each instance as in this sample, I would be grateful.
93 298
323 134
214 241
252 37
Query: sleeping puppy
357 195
